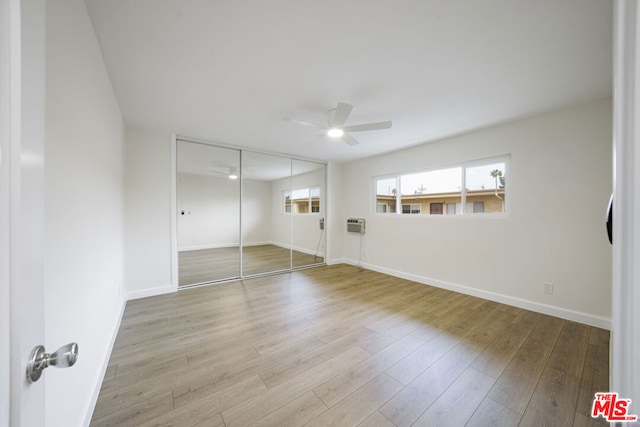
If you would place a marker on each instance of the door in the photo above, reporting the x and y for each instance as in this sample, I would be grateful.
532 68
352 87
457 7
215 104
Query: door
208 202
308 213
625 319
266 214
22 77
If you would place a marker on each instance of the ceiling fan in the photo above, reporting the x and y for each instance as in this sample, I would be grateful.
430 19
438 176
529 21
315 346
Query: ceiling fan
336 129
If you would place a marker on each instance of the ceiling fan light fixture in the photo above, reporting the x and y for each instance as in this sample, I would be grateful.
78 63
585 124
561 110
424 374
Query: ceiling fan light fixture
336 129
335 132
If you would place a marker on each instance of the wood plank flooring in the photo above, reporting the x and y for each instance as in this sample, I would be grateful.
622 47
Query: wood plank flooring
207 265
339 346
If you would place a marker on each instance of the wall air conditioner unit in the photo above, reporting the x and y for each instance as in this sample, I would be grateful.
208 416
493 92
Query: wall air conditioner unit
355 225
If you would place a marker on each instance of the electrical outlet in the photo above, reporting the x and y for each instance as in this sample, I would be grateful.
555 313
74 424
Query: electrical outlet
548 288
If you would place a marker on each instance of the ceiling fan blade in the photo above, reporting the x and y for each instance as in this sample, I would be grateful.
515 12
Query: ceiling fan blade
349 139
368 126
340 115
304 123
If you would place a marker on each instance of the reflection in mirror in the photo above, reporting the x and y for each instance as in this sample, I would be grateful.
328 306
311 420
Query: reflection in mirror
306 203
208 202
266 220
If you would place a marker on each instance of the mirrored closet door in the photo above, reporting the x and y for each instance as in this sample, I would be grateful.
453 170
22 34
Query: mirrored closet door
243 213
266 220
307 213
208 221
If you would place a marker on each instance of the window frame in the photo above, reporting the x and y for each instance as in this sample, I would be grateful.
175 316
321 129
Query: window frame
411 209
462 212
288 208
383 205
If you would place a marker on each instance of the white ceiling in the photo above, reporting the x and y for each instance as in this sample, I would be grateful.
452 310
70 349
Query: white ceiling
230 71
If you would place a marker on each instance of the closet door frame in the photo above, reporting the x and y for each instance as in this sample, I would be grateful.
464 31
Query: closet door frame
174 208
203 189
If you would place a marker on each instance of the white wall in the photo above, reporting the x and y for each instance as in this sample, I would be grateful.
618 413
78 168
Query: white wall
84 263
559 184
212 216
211 208
256 214
147 212
280 220
335 224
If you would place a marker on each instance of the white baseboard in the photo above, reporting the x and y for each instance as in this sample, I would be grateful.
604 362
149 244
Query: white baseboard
105 365
150 292
279 244
268 242
224 245
563 313
308 251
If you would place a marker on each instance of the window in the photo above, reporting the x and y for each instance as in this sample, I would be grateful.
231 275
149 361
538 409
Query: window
386 190
475 187
485 187
411 209
451 208
287 201
302 201
421 188
314 194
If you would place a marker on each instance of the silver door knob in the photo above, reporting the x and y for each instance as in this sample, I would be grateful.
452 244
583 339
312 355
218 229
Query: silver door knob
39 360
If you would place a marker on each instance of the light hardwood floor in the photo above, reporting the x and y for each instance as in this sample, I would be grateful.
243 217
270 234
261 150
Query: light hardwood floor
338 346
206 265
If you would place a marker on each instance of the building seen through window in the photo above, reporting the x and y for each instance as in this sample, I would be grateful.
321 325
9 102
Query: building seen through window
441 192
